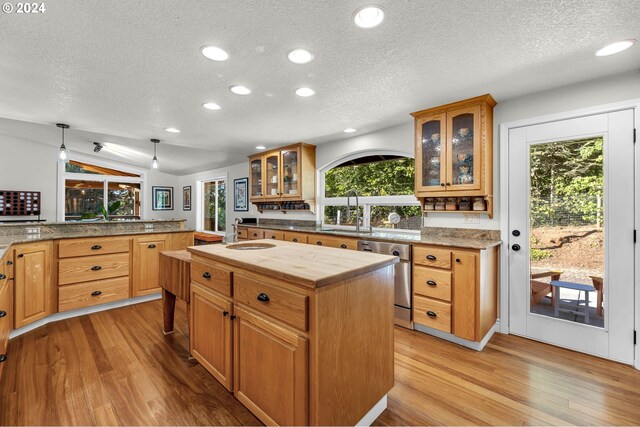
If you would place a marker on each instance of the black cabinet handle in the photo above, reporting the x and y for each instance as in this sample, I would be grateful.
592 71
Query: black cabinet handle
448 183
431 313
319 243
96 247
151 246
263 297
431 283
225 313
343 246
3 313
431 258
233 316
20 256
442 184
3 357
255 234
295 239
2 277
515 247
273 237
458 260
9 262
96 268
206 275
96 293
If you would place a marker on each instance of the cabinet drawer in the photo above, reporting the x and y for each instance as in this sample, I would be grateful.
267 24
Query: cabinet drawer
76 270
284 305
93 293
216 278
275 235
333 242
439 316
439 258
93 246
431 282
296 237
256 234
242 233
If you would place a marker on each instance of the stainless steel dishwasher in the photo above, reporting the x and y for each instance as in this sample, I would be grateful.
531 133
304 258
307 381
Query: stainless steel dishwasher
402 277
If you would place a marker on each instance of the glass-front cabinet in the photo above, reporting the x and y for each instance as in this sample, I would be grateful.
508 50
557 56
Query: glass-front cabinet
272 176
255 175
454 153
290 184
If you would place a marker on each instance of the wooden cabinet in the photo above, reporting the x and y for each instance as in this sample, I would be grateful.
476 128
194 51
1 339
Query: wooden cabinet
179 241
33 282
285 174
146 264
455 290
210 339
255 234
5 313
454 151
270 370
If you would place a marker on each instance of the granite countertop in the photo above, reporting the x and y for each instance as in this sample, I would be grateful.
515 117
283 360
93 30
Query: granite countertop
307 265
87 222
427 238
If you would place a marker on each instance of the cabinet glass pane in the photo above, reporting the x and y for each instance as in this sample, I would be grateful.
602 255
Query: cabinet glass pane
290 172
431 150
462 149
271 165
128 196
256 178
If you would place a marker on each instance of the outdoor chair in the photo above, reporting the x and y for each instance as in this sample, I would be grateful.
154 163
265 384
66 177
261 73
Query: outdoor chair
539 290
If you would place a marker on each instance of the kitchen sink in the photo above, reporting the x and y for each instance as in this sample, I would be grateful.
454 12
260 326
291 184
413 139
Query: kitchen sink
250 246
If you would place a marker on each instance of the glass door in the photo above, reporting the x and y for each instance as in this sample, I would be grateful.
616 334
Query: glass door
431 154
272 176
571 207
290 184
256 178
463 149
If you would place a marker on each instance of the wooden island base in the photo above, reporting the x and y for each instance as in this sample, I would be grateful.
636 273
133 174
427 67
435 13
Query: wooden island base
175 278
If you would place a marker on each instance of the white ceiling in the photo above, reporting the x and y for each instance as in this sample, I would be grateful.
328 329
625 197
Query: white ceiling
123 71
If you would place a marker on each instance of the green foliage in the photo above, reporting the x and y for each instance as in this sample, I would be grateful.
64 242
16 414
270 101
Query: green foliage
538 254
388 177
112 209
567 178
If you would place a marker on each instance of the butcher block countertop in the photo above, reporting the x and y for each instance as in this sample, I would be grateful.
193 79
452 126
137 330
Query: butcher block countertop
307 265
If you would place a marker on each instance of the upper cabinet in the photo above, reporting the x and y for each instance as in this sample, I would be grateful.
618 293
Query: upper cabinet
284 178
454 152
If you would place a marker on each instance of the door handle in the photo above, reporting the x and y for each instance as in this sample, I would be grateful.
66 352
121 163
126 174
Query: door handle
96 293
263 297
96 268
2 277
151 246
343 246
206 275
516 233
431 258
431 313
225 313
96 247
431 283
3 313
516 247
319 243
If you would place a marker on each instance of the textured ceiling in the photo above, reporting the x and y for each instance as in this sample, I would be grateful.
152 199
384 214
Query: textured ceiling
125 70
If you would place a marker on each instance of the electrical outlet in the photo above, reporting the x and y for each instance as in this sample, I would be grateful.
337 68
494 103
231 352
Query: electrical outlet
148 226
471 218
33 230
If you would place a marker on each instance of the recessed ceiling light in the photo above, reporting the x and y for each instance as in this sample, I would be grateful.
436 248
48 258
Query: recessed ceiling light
350 130
261 147
211 106
616 47
240 90
300 56
368 16
214 53
305 92
173 130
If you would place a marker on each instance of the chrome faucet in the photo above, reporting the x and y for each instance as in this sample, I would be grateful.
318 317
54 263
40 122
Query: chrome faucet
235 229
349 194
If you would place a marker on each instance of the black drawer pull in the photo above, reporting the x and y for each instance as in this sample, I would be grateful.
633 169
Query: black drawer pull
431 283
233 316
2 277
319 243
96 247
263 297
96 268
295 239
9 262
151 246
3 313
431 313
431 258
255 234
20 256
343 246
458 260
206 275
225 313
273 237
96 293
3 357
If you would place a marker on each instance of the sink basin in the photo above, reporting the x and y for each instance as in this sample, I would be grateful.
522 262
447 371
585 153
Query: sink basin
250 246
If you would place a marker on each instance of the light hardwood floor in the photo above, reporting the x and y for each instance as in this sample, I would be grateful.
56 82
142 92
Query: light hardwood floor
116 367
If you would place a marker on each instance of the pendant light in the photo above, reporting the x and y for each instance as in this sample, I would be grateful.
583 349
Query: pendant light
63 154
154 163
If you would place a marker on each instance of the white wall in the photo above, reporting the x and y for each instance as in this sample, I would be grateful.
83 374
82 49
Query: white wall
28 165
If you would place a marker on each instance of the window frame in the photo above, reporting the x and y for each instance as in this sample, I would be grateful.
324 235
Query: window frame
63 176
200 203
365 201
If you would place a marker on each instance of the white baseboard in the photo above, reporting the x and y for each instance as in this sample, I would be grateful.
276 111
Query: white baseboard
374 413
478 346
82 311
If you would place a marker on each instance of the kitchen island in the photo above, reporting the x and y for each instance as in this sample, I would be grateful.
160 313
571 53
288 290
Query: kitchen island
302 335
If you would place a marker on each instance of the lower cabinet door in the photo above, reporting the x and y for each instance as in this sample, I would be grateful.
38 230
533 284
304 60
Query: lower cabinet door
146 264
270 370
32 281
210 332
5 318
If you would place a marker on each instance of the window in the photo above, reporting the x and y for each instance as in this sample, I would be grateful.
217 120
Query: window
214 206
385 186
92 191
